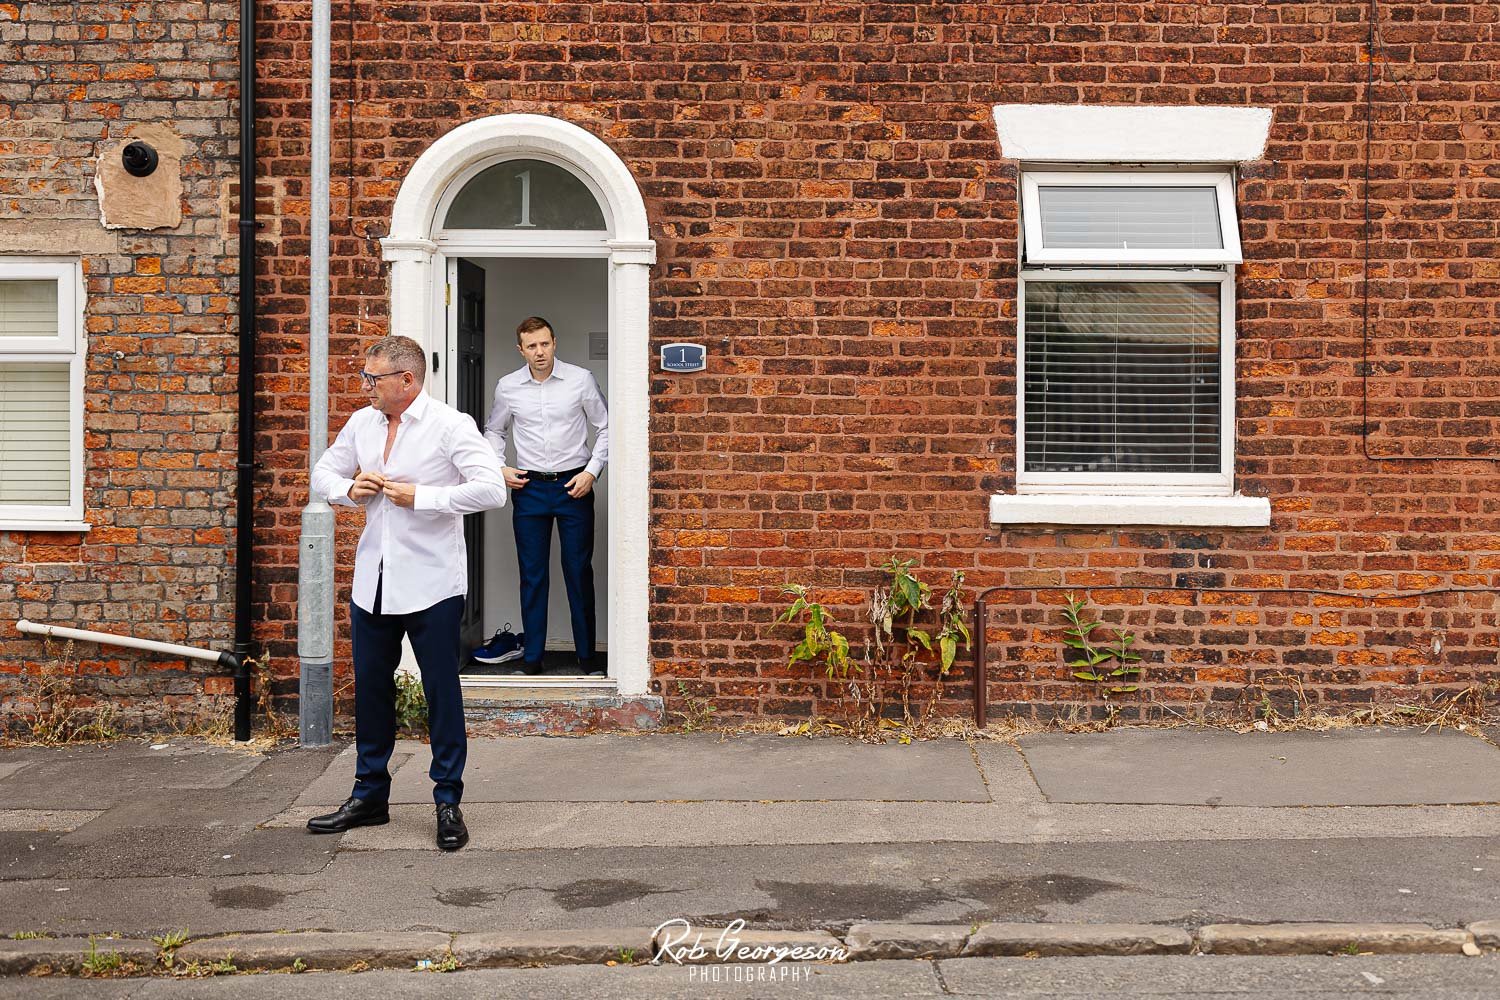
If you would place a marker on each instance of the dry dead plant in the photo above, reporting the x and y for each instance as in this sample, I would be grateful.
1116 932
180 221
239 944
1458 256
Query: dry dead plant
279 726
58 714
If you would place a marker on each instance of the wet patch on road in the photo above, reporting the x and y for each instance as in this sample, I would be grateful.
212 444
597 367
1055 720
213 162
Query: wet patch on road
246 897
466 896
804 905
592 893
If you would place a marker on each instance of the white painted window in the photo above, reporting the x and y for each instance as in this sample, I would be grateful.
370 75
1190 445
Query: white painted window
41 393
1126 319
1130 217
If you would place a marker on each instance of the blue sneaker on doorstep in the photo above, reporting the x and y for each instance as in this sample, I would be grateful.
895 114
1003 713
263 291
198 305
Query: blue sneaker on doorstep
503 647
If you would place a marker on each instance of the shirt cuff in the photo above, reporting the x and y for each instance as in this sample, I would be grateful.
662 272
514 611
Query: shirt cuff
595 468
341 496
431 498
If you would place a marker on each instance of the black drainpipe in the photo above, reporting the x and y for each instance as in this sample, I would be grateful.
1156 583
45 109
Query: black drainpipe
244 535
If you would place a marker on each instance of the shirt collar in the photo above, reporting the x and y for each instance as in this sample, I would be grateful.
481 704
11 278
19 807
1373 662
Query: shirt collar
418 408
557 372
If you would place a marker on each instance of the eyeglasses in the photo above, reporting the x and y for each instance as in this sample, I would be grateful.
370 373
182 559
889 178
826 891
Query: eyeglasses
367 379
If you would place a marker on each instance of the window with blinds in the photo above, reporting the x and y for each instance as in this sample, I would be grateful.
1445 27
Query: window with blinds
35 434
40 429
1123 218
28 309
1122 377
1130 218
1127 342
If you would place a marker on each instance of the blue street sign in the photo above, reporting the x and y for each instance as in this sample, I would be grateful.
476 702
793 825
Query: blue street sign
683 358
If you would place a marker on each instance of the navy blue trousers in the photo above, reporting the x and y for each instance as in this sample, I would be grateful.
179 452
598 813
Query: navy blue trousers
535 507
434 634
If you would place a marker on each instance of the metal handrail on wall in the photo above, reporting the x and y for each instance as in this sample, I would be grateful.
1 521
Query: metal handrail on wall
981 674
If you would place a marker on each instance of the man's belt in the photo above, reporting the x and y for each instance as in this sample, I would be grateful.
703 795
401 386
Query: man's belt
551 477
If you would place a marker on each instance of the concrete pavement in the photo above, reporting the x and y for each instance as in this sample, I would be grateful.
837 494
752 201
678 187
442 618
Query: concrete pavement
1175 828
1405 977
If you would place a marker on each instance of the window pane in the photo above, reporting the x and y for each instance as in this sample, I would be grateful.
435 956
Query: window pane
35 416
1122 376
525 194
1130 218
28 308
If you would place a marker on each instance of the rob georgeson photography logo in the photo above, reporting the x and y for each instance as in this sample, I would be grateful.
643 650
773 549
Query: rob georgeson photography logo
709 954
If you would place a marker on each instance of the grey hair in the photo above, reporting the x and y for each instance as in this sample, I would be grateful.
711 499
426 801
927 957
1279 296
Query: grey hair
403 352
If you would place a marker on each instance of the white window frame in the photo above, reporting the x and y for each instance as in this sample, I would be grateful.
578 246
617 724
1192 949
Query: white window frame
1222 181
67 347
535 242
1134 483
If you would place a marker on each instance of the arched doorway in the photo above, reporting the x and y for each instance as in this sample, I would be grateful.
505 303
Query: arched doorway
520 196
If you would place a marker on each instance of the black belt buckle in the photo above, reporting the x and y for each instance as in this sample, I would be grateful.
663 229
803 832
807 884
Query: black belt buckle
551 477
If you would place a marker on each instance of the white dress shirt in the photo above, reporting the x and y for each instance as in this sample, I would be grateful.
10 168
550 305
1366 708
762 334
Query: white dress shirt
440 452
551 420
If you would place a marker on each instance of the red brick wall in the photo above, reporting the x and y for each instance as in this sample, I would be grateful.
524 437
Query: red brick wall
159 426
834 219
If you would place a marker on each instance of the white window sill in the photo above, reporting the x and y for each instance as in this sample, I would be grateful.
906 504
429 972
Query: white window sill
1166 511
13 524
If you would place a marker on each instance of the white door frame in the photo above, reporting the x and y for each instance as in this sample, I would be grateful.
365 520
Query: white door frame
417 253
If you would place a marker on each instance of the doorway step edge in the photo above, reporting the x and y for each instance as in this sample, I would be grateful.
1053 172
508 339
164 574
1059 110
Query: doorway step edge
528 711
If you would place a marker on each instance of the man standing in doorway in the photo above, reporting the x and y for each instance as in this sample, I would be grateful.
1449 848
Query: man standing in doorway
551 405
416 466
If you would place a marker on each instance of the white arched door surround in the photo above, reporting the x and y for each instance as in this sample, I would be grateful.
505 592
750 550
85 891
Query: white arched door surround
418 249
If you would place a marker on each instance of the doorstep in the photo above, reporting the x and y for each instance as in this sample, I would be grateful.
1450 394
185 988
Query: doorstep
561 705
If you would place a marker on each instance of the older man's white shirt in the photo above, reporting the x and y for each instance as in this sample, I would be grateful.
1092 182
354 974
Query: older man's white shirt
551 420
439 451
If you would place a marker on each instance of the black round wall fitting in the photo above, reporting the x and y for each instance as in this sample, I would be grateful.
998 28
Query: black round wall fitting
139 159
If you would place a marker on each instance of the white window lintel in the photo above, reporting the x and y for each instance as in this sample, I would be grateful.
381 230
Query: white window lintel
1083 133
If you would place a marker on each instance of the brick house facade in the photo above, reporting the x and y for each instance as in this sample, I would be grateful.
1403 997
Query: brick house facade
836 218
152 339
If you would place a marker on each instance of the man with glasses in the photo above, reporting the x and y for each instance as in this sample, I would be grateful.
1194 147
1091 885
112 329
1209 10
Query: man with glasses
416 466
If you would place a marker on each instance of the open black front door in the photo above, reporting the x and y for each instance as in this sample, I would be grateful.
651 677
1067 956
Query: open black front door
472 400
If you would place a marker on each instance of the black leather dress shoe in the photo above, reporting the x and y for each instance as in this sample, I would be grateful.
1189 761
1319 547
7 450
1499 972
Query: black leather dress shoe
528 668
451 832
354 812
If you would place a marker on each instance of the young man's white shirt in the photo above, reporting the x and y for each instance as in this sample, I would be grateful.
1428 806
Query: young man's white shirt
454 470
550 420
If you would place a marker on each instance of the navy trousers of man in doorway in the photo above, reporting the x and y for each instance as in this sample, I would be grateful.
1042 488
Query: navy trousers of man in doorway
535 508
434 634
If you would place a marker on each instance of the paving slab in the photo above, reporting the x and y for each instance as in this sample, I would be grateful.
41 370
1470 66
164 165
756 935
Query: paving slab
98 776
1420 977
1006 775
866 980
680 767
1347 767
332 787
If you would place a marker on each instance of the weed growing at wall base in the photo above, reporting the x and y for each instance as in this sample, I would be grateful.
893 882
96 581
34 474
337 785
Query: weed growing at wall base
898 653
